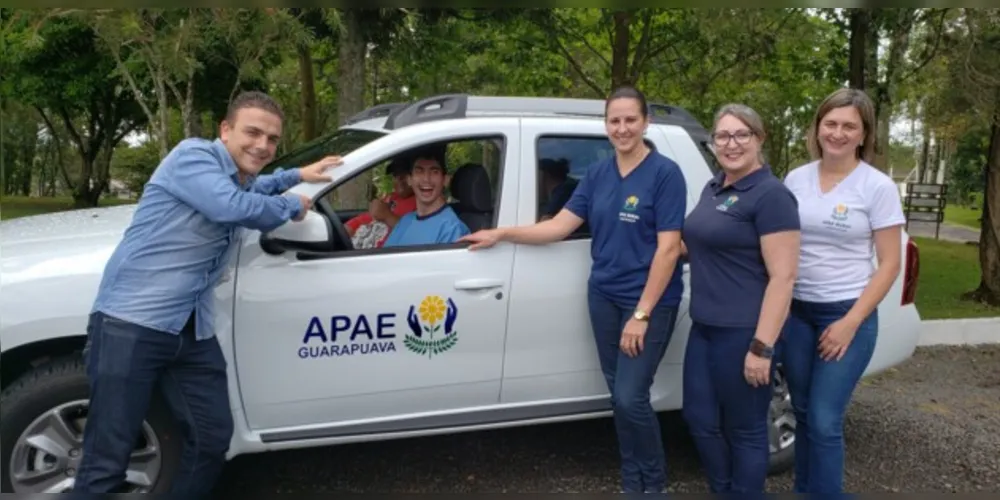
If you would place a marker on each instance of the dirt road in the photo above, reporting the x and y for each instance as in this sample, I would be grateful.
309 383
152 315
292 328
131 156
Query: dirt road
931 425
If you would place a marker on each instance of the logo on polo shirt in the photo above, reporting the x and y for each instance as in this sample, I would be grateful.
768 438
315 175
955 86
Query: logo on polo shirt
724 206
631 203
839 212
628 211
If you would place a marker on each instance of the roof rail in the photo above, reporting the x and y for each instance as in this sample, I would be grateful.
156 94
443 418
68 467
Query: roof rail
451 106
376 111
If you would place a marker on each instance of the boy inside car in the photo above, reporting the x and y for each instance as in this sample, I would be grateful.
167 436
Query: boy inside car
433 222
370 229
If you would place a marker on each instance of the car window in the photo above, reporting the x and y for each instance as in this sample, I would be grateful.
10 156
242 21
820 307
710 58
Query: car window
465 158
341 142
561 162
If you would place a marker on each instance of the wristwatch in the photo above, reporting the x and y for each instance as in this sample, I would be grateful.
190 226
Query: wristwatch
759 348
640 315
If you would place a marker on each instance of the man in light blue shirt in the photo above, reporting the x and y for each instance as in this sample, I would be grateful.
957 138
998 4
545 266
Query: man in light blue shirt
151 324
433 222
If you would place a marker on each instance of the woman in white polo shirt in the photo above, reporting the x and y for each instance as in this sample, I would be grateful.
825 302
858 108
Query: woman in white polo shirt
851 217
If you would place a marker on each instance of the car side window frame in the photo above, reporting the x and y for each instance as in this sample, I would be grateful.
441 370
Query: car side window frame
500 136
583 233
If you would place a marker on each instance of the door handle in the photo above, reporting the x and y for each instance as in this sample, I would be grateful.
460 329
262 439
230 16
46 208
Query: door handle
478 284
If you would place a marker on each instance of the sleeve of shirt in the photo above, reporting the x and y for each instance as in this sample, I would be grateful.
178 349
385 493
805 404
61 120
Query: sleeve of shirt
198 180
777 210
670 202
454 232
280 181
579 202
885 208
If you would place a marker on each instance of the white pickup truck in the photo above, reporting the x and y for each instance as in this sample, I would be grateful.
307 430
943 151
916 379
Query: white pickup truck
331 344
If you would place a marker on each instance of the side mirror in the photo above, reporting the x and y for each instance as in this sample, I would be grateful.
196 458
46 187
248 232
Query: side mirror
312 234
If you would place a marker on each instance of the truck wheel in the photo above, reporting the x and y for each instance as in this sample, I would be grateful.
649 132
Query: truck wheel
781 426
42 416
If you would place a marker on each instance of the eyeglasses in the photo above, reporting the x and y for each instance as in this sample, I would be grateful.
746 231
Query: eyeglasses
723 138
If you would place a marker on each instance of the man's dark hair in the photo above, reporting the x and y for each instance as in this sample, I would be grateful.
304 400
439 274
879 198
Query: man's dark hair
254 99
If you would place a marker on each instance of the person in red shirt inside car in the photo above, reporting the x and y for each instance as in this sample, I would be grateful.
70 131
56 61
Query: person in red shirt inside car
370 229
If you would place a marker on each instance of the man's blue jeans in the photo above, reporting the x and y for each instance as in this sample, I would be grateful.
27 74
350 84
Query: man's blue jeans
821 390
126 363
727 417
643 461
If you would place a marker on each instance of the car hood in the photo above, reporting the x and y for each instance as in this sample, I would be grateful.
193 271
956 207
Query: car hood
61 243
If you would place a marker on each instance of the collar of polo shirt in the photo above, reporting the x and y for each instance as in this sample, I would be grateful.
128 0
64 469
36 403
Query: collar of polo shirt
743 184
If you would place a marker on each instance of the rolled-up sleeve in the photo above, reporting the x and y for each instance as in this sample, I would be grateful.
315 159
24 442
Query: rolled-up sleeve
281 180
197 179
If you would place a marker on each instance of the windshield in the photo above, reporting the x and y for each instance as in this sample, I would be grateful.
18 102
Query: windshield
340 143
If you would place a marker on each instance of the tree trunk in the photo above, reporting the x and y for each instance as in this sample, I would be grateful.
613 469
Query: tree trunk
308 94
351 92
989 237
190 118
924 152
899 44
620 50
859 25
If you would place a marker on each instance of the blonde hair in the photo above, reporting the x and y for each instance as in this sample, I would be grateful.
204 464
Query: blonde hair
750 118
865 108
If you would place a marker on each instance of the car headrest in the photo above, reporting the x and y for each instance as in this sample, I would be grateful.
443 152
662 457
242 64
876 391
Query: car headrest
470 185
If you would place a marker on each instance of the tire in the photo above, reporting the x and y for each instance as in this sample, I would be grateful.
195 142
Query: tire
57 392
781 427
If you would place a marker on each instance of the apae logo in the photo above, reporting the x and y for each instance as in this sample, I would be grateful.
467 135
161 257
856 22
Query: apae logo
724 206
432 326
631 203
627 213
839 212
432 331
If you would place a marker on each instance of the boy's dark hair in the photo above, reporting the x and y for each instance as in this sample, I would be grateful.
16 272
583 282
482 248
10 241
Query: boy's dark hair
434 152
629 92
254 99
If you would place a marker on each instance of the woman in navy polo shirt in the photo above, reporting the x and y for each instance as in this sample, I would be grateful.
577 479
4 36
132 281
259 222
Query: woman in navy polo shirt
742 242
851 214
634 204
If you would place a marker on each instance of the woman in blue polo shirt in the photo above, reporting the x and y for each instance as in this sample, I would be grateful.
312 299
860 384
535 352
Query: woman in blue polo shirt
634 204
742 242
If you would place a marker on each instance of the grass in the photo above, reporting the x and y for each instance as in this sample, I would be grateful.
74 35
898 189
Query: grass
947 270
963 216
12 207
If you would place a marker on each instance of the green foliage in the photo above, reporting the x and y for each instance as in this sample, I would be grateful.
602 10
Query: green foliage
135 165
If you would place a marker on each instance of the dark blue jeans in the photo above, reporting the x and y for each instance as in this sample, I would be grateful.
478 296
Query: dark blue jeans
727 416
643 461
126 363
821 390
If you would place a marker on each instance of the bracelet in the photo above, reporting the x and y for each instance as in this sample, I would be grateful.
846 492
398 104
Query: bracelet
759 348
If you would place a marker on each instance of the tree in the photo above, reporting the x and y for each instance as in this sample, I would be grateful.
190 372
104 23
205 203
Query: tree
980 72
53 64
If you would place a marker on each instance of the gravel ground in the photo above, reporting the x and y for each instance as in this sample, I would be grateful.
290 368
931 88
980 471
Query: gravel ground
931 425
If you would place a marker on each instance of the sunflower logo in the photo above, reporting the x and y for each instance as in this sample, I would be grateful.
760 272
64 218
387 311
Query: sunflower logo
631 202
840 211
432 326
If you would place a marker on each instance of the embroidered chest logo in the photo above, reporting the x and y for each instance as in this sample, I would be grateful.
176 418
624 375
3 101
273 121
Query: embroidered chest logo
838 218
839 212
627 213
724 206
631 203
